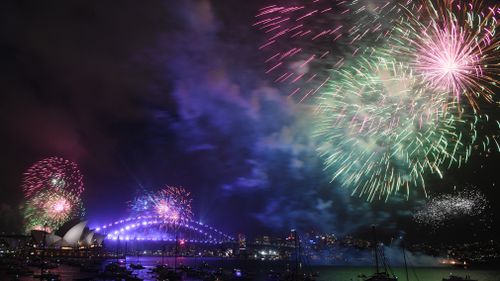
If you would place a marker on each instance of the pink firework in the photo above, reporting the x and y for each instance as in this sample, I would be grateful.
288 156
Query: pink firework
305 39
449 59
53 173
57 207
453 45
173 204
51 208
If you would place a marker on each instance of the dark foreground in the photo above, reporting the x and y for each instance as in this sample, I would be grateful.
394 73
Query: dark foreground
260 270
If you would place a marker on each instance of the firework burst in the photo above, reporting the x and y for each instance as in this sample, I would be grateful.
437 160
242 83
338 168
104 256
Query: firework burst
173 204
379 129
49 209
142 204
54 173
453 45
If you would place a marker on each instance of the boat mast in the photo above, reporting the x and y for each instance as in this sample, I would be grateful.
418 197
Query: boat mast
117 249
404 256
297 254
375 248
44 245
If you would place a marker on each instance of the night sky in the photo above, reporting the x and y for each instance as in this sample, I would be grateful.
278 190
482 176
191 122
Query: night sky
146 93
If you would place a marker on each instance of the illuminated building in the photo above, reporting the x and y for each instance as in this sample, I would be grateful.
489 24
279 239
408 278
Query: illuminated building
72 235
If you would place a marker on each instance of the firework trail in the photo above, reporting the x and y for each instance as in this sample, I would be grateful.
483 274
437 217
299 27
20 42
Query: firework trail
49 209
52 174
453 45
444 208
171 203
380 129
305 39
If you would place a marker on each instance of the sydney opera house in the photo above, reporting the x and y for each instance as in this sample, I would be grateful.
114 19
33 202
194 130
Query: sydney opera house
73 234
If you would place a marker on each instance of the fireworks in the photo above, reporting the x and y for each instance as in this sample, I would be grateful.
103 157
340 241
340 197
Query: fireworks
384 72
305 39
142 204
49 209
171 204
453 45
52 189
444 208
379 129
54 173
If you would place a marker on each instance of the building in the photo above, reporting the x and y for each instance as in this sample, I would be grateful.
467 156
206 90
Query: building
73 234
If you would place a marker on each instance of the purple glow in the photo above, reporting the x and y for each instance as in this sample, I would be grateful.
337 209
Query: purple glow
132 227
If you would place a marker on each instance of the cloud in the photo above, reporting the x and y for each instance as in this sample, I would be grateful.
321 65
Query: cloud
255 144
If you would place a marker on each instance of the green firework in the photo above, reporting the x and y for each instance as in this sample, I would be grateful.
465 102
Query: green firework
380 129
48 210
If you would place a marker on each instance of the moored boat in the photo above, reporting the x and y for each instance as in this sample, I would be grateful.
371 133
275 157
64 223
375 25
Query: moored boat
458 278
379 275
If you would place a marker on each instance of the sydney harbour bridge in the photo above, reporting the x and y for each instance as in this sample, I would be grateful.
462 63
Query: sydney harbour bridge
156 228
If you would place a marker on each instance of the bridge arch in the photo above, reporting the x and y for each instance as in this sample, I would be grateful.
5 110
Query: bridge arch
155 228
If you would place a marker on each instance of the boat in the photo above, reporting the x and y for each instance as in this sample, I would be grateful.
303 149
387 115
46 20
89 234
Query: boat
166 273
297 273
47 276
379 275
239 274
115 271
137 266
458 278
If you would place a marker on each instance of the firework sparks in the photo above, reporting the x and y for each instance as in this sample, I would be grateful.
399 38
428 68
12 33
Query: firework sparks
379 129
384 123
53 173
174 204
305 39
444 208
142 204
453 45
171 203
49 209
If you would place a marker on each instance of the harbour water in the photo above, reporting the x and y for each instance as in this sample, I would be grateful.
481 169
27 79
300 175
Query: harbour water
259 270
